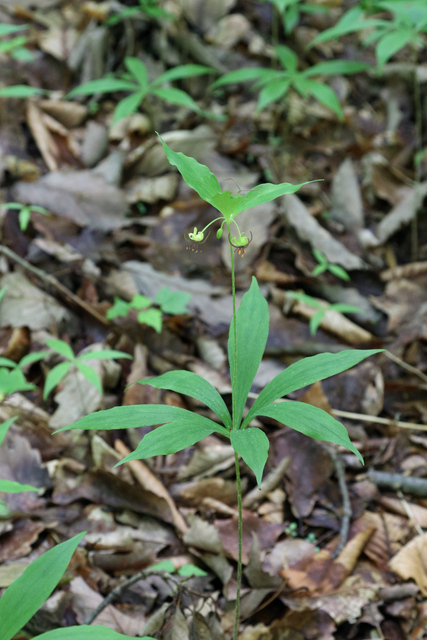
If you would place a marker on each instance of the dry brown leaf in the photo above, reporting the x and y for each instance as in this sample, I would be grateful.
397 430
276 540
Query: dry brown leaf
41 134
411 562
148 481
418 513
85 600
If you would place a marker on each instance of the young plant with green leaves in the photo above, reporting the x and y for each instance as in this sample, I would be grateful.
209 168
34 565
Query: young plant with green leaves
58 372
324 265
173 303
15 47
137 83
24 597
25 211
12 377
273 85
247 340
323 308
407 27
290 11
150 8
408 23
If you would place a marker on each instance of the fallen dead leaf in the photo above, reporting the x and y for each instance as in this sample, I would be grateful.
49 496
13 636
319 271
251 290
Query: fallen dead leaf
411 562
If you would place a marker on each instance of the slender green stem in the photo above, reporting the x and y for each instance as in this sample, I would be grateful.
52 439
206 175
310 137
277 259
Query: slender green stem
419 146
239 560
236 457
208 225
234 372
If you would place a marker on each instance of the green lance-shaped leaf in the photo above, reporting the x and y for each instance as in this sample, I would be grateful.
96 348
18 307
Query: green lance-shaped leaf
54 376
252 444
312 422
266 193
7 29
84 632
128 105
305 372
196 175
173 437
181 72
19 91
4 426
252 332
27 593
391 43
137 415
61 347
175 96
190 384
7 362
272 92
90 375
10 486
336 67
248 74
104 354
139 71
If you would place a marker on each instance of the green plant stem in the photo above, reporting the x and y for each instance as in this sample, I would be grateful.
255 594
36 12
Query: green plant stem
419 146
233 288
240 536
236 457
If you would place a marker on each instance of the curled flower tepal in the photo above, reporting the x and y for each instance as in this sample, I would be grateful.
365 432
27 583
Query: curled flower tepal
196 238
240 244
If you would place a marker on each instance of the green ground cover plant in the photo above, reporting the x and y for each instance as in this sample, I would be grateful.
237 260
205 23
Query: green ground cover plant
137 83
24 597
145 8
15 47
323 265
247 340
273 85
290 11
24 212
63 349
174 303
316 320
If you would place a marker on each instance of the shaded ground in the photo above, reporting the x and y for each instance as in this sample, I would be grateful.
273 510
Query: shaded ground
118 214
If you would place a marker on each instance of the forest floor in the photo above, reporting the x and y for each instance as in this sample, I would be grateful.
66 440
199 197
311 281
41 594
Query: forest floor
331 549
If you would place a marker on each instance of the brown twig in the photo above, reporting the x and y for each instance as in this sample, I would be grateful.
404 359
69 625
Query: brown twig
346 512
53 282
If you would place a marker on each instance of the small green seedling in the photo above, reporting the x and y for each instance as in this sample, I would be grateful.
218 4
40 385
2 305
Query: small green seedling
137 83
15 47
58 372
12 377
324 265
248 334
316 319
290 10
25 211
145 8
24 597
174 303
406 28
273 85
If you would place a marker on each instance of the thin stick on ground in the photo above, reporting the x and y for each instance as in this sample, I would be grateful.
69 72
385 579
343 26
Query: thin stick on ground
53 282
346 505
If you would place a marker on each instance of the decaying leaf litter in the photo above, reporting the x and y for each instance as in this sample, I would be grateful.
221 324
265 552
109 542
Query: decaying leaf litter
331 549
